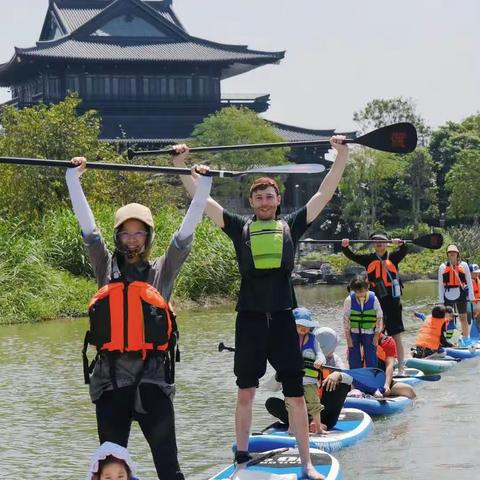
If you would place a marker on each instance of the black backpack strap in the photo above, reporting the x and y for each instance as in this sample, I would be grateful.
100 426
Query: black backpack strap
86 373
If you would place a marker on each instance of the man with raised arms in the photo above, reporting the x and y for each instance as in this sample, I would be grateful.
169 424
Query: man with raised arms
265 326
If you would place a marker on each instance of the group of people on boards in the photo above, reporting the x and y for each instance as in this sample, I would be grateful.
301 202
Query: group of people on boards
133 327
458 292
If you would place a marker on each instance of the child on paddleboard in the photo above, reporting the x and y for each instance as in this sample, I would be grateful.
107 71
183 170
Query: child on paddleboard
313 359
333 386
362 321
111 462
431 335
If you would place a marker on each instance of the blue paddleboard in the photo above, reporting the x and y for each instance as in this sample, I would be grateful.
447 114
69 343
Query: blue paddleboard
352 426
412 373
374 406
283 464
463 352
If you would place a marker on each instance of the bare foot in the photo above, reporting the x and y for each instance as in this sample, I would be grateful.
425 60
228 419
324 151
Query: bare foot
310 472
238 467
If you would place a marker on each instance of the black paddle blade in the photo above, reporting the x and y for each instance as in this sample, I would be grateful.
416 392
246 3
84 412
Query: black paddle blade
434 241
396 138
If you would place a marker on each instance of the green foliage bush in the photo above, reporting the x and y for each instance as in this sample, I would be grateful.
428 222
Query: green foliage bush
33 290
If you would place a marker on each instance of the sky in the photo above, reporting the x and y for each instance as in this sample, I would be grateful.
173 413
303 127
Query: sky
340 54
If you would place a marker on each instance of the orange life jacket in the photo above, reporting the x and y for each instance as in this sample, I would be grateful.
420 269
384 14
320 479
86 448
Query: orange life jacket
130 317
324 373
377 272
476 289
430 332
454 276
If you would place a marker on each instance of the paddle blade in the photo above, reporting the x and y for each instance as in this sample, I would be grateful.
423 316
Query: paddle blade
434 241
396 138
287 169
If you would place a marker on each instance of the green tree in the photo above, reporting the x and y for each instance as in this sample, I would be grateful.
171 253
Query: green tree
418 185
54 132
381 112
361 188
231 126
463 181
445 145
59 132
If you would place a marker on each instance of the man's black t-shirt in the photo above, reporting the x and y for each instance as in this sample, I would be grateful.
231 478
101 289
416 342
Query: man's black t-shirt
269 290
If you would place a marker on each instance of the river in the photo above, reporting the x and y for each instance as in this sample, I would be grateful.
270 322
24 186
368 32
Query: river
48 429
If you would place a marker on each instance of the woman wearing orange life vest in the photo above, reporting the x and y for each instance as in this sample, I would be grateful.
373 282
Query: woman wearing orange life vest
431 335
131 324
455 285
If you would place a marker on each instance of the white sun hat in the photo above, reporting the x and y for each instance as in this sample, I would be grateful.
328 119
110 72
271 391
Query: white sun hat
106 449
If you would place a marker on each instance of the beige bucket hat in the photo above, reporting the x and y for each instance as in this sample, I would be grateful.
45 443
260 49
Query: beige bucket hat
133 211
453 248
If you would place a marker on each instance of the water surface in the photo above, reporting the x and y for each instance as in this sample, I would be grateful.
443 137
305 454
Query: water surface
48 429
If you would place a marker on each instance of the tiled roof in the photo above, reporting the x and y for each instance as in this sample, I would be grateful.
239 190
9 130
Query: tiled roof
74 18
292 133
195 50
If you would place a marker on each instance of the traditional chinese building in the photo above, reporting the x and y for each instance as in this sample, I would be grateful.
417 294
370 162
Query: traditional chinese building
150 80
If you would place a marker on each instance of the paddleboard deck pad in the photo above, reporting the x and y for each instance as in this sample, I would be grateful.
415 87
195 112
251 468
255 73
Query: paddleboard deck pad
352 426
283 464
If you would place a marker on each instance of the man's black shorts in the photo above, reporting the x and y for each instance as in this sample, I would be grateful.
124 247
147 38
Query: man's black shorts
392 315
262 336
461 305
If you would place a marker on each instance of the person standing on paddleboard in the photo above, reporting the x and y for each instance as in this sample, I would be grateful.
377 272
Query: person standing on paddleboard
265 326
382 270
131 323
455 286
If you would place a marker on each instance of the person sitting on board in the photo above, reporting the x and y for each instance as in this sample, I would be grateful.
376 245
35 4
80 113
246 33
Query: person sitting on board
455 285
133 379
382 269
333 386
451 325
111 462
362 321
431 335
387 354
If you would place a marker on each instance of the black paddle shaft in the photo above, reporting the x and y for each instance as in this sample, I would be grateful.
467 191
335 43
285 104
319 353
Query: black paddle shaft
291 168
396 138
434 241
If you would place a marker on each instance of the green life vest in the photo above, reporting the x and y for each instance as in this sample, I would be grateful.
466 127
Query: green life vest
363 319
266 242
266 245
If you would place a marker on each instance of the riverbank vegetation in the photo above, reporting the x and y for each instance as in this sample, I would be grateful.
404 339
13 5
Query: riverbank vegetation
43 263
